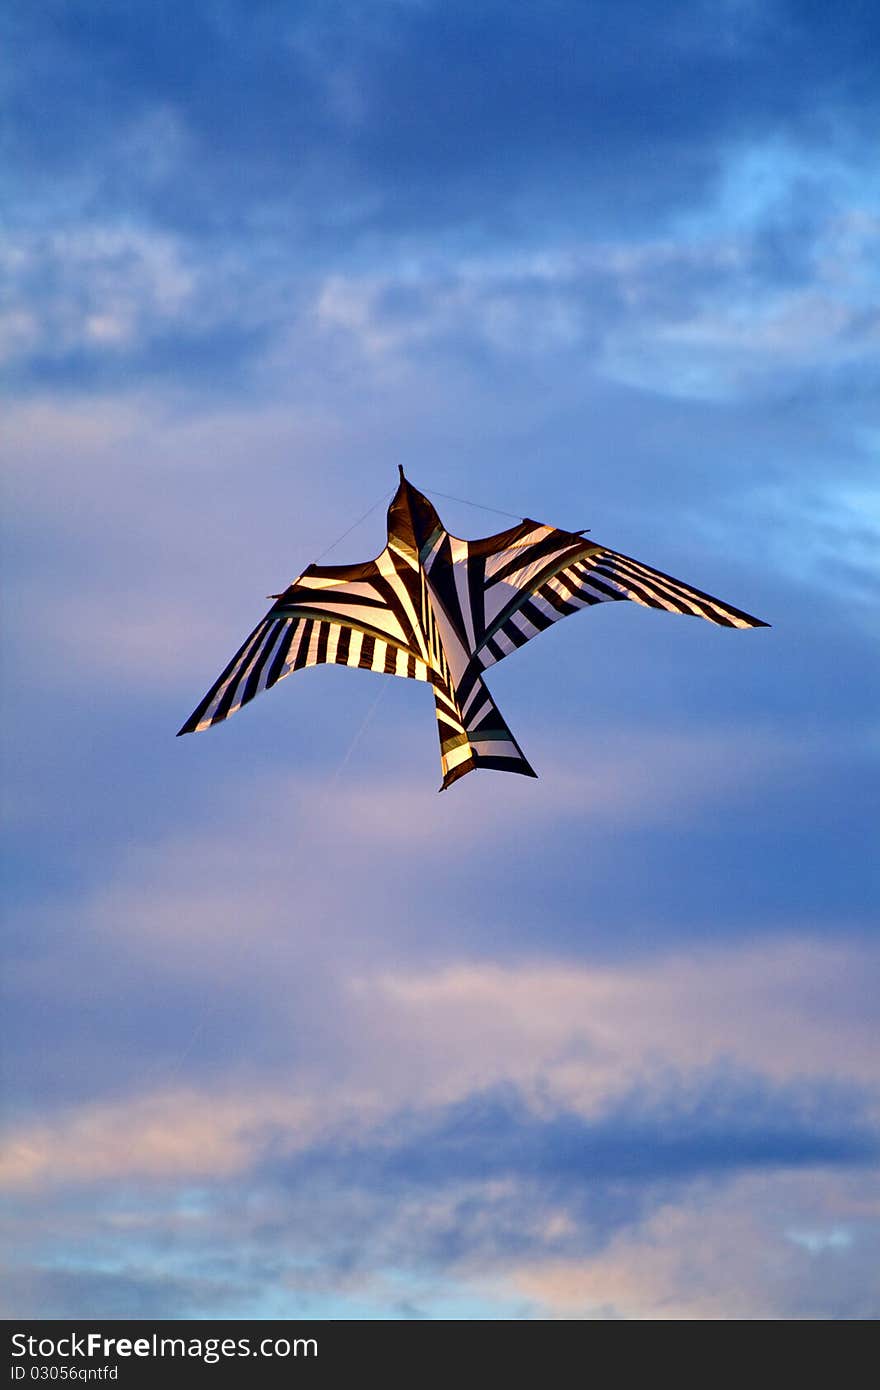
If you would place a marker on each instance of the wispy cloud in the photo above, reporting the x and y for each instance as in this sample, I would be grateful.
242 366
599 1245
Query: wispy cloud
591 1042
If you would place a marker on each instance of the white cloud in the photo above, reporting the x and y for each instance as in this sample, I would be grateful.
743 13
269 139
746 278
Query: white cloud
96 285
690 317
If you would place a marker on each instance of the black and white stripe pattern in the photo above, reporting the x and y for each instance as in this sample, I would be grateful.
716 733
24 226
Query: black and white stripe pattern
281 645
435 608
597 575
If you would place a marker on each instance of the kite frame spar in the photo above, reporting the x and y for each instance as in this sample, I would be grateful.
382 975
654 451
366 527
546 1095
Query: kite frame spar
437 608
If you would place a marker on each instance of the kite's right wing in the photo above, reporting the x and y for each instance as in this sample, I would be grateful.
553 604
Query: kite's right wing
594 574
347 615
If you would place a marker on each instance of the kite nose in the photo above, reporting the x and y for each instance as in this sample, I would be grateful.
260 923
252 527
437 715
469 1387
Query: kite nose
400 471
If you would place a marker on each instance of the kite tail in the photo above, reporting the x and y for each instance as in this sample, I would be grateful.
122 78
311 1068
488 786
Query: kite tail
473 733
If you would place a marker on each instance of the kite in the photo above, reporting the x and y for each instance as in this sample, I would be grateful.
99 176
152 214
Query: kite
435 608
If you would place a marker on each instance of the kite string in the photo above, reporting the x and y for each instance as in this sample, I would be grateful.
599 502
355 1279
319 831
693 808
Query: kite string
357 738
353 526
499 511
480 506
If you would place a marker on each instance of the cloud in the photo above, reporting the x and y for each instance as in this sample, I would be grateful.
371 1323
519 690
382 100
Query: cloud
826 538
171 1136
701 316
721 1256
329 126
594 1027
708 1125
712 1251
75 1292
513 1133
103 304
513 1202
599 1044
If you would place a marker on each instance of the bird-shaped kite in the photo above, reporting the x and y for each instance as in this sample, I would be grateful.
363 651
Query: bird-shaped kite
439 609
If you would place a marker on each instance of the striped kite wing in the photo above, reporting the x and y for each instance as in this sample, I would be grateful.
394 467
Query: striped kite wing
596 575
346 615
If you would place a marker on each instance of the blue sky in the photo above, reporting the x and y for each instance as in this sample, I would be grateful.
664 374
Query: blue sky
287 1034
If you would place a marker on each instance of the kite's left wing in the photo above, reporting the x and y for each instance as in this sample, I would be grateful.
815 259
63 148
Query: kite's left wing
347 615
